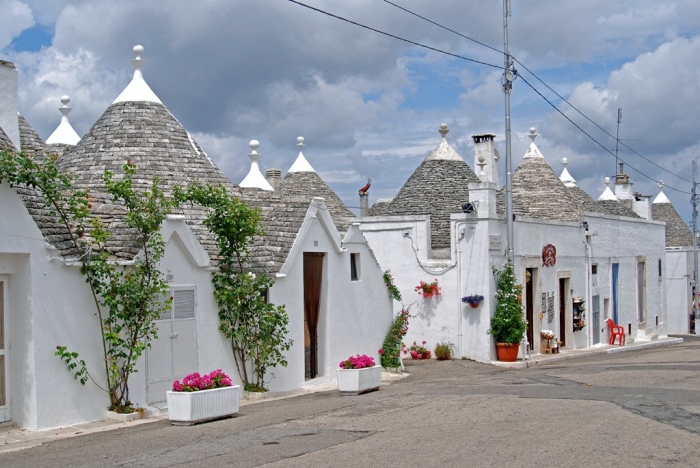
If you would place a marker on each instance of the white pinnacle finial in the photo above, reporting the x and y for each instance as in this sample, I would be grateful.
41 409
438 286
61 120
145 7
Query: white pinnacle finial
138 89
533 133
564 162
301 164
607 181
565 177
444 130
64 133
661 197
607 193
661 184
255 179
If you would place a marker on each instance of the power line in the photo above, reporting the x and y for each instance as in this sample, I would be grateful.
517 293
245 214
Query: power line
598 126
394 36
538 79
593 139
318 10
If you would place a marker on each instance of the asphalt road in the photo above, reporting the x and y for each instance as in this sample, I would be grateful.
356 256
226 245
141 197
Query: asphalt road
638 409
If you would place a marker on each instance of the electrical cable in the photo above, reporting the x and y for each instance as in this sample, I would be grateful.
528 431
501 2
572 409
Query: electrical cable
395 37
318 10
540 80
593 139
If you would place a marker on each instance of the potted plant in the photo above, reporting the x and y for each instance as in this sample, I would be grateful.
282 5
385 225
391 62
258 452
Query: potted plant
417 351
473 300
443 350
428 289
507 324
358 374
202 398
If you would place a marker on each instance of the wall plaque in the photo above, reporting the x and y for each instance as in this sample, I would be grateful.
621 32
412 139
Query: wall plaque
495 242
549 255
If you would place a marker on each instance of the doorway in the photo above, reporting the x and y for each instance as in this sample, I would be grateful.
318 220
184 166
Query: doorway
563 306
530 305
5 413
313 281
641 292
596 319
173 354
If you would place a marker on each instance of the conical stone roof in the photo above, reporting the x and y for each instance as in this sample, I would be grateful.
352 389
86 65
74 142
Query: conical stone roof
438 187
540 192
31 143
678 234
304 183
146 134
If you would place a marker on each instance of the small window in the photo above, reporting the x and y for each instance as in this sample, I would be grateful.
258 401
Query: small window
660 269
594 269
183 303
354 266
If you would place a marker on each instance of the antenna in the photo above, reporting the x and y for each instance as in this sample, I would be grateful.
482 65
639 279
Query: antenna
617 136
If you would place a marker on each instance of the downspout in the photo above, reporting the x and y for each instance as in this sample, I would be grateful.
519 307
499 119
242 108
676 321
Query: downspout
589 319
459 235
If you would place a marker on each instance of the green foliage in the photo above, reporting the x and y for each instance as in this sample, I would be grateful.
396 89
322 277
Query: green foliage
394 292
507 324
256 328
128 299
444 350
390 355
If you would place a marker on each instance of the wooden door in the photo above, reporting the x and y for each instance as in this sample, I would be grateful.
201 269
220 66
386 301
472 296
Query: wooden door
562 311
313 281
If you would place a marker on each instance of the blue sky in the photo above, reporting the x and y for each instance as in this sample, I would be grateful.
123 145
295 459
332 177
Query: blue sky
368 105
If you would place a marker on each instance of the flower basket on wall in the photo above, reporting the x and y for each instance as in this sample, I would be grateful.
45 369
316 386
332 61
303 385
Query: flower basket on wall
188 408
473 300
428 289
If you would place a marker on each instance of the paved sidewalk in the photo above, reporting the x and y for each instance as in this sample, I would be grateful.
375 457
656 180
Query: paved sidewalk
13 438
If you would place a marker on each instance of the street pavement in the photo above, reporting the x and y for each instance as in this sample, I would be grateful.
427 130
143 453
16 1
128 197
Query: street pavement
638 409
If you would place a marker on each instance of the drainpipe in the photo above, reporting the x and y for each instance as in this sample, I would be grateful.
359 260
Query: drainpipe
459 235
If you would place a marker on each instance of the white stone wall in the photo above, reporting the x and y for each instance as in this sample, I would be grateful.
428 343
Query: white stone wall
679 292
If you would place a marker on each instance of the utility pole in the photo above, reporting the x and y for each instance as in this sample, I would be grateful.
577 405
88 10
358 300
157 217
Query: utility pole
509 74
617 137
694 202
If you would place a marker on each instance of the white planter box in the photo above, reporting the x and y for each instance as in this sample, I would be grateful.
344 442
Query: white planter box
187 408
357 381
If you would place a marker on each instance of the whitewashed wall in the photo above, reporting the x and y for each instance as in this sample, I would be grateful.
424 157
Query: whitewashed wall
679 292
626 241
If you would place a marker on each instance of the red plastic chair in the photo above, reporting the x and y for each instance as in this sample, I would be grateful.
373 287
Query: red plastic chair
616 331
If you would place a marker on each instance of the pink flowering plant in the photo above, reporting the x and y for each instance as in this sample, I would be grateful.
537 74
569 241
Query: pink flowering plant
195 382
417 351
359 361
428 289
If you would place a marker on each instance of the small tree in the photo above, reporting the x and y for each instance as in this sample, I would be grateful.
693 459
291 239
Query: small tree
508 324
256 328
128 299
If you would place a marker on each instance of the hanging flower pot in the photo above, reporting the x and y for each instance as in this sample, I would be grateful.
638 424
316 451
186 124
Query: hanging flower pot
473 300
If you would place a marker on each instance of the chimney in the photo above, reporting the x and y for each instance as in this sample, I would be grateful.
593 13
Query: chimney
623 186
364 199
485 158
8 102
274 177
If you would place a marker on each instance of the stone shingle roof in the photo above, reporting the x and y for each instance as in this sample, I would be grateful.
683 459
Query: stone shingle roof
678 234
617 208
307 185
31 142
148 135
283 216
60 148
438 187
33 200
540 192
589 204
380 207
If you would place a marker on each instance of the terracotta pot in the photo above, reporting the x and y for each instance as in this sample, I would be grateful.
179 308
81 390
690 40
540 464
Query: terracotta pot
426 355
507 352
474 306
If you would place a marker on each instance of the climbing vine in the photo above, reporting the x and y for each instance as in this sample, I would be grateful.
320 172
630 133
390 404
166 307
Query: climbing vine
127 298
256 328
390 354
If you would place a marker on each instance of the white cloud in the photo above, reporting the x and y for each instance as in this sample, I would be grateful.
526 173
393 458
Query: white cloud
16 16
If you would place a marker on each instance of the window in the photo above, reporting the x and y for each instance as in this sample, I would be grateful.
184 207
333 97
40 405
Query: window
594 269
354 266
660 269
